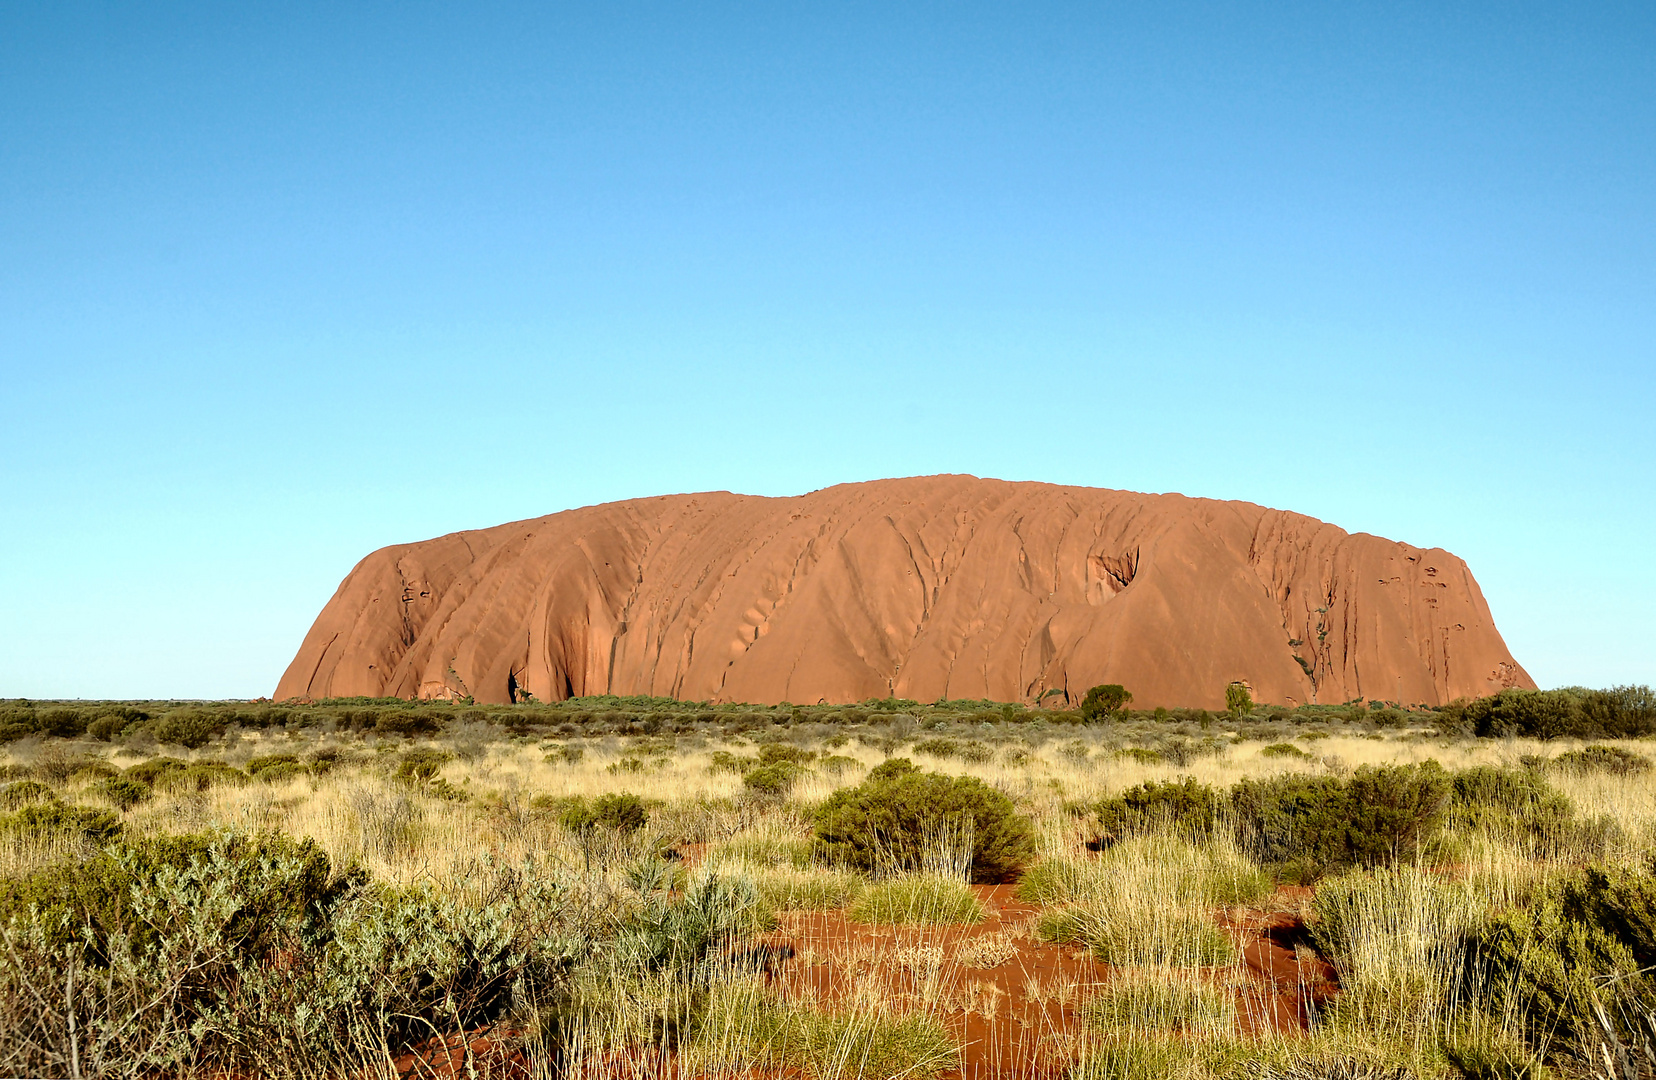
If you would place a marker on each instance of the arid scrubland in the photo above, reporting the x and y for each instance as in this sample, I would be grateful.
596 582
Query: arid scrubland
643 888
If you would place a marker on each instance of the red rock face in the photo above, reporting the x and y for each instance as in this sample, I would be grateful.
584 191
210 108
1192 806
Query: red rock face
924 588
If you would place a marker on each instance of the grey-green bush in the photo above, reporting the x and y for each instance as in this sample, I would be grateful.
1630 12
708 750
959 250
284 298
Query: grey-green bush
892 815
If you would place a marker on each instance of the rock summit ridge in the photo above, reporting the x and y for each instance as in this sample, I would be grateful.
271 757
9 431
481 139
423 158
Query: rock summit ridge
923 588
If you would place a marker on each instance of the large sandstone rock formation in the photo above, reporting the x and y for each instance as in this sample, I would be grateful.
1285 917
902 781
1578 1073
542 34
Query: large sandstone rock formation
924 588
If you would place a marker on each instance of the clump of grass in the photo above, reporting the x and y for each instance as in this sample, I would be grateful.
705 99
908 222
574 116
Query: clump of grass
987 950
789 888
764 846
837 765
1214 873
1174 938
21 793
201 776
1147 900
1155 998
1397 937
1602 759
745 1030
918 898
1125 1055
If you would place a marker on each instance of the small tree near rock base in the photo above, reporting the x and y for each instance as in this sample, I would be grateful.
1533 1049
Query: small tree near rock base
1105 700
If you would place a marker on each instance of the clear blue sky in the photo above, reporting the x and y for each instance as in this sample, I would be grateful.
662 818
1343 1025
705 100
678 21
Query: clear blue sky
283 284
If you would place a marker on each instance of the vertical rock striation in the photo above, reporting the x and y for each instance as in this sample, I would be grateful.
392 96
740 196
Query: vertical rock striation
928 587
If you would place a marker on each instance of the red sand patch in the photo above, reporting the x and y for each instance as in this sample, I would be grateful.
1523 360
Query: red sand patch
1288 982
1020 1017
474 1054
1017 1018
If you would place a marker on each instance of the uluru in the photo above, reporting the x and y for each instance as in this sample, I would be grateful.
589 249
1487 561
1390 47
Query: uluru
923 588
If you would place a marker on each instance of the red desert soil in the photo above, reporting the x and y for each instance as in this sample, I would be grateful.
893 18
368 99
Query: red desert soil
923 588
1015 1017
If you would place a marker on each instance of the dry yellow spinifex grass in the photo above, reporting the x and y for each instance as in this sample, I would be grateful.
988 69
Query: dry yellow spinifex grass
657 906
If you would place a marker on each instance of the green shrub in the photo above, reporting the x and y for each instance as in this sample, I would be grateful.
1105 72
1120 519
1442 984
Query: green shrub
114 720
1619 713
838 764
99 896
1519 804
1395 810
187 728
774 780
1182 806
1573 965
90 772
1602 759
105 728
98 826
21 793
321 761
62 723
1142 755
1238 701
421 765
1294 822
938 748
566 755
147 772
621 811
1104 701
257 765
1619 901
239 955
122 792
1285 750
892 816
783 754
1075 750
282 773
723 761
201 776
58 768
405 722
1308 825
18 721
